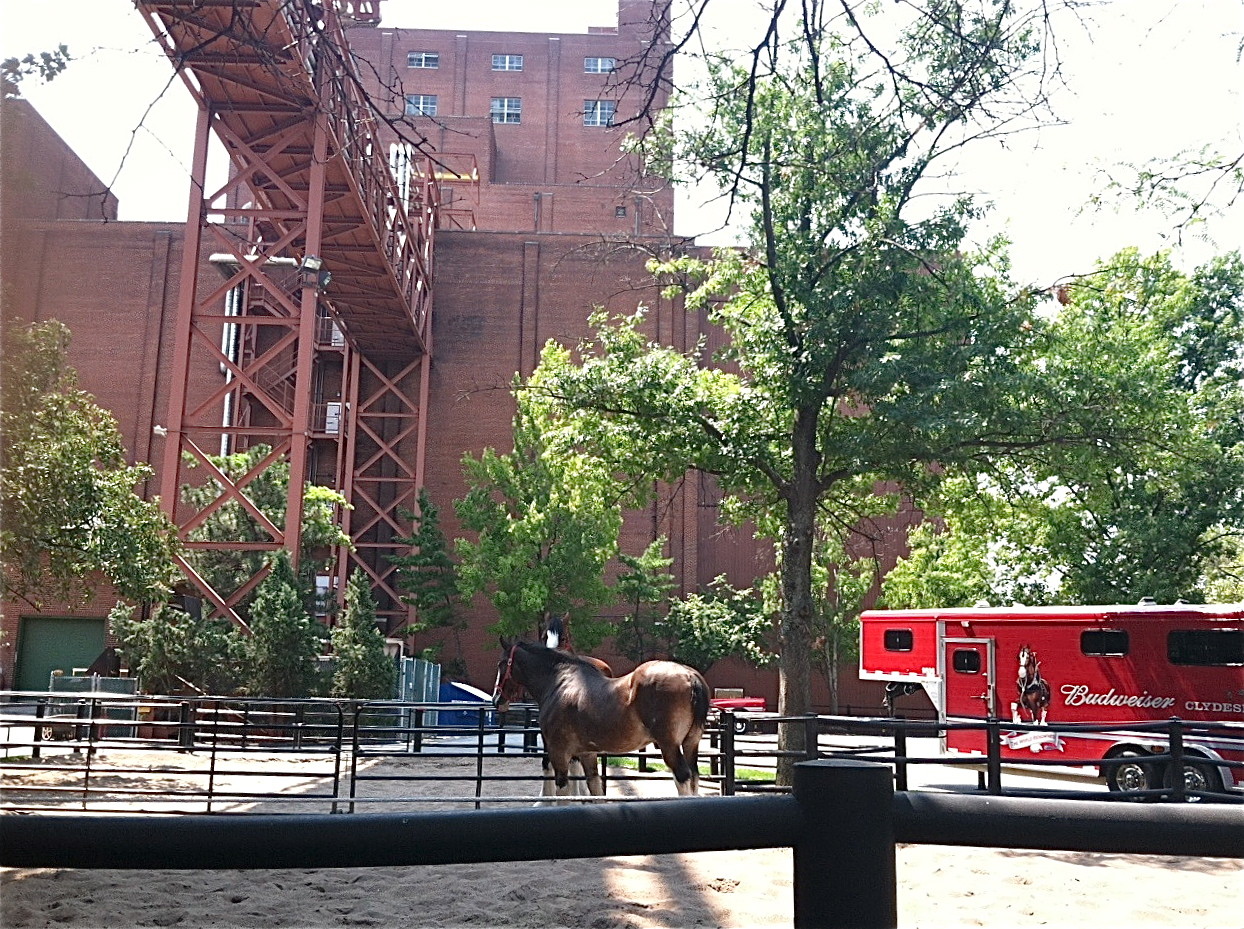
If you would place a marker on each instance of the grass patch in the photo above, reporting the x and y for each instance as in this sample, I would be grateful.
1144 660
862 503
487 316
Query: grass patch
656 765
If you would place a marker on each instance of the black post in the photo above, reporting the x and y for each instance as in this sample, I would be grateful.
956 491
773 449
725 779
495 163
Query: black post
36 751
993 763
900 758
727 753
529 731
811 738
417 733
1177 782
185 727
845 872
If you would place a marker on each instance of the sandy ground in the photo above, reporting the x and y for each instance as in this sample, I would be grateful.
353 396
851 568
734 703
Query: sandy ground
938 886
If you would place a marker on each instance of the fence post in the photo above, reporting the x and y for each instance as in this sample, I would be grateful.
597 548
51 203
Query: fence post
1176 749
727 753
36 750
185 727
811 737
900 757
993 761
845 872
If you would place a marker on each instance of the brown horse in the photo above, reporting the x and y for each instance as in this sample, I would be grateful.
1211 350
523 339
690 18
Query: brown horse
555 637
584 713
1034 691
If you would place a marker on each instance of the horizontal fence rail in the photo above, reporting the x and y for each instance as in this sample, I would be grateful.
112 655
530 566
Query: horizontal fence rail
842 821
71 750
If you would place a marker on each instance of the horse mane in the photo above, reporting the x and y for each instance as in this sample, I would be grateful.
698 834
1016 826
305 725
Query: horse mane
556 656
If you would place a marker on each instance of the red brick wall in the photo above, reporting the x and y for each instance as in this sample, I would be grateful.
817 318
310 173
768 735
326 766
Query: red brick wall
550 152
42 177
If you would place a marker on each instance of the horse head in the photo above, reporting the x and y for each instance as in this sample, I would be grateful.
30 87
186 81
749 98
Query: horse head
507 688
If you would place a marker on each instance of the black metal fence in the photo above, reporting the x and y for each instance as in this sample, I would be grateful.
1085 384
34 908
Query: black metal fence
843 821
182 755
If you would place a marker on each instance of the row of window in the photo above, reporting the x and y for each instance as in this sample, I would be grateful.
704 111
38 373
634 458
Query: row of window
510 109
1204 647
509 62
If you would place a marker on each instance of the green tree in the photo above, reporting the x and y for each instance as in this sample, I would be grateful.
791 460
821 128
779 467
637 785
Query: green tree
1160 524
869 344
547 519
428 576
227 570
174 653
362 670
68 509
643 586
45 66
283 649
702 629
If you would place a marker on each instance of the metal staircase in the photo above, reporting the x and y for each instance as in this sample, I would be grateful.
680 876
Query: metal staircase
308 224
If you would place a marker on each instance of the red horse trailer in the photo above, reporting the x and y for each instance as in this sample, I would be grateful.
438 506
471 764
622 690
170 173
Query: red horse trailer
1107 665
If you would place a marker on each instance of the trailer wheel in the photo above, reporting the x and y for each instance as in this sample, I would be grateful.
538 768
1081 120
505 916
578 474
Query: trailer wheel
1198 775
1132 776
741 724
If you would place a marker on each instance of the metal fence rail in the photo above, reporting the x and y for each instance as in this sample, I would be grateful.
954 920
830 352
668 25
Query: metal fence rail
842 821
79 752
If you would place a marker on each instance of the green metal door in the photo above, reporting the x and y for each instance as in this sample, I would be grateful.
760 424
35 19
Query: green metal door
46 644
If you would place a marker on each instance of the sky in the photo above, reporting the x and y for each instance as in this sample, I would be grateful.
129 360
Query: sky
1144 78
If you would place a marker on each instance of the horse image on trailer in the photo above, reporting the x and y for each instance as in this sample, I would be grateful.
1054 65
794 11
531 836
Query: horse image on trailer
1107 665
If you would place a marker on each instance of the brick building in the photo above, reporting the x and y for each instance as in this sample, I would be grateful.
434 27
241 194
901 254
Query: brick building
562 223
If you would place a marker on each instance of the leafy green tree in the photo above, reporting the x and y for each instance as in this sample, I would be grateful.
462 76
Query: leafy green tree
1159 524
174 653
547 520
362 670
702 629
227 570
283 649
643 586
428 576
869 344
45 66
68 510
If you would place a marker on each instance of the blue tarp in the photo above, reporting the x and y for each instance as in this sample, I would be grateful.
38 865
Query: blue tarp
455 692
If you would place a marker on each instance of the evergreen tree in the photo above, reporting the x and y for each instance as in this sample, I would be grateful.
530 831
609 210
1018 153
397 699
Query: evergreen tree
175 653
363 670
428 576
285 641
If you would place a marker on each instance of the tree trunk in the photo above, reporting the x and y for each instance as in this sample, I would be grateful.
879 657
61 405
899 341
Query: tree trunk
796 624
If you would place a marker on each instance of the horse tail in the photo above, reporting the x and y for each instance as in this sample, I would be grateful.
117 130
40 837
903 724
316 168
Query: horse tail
699 699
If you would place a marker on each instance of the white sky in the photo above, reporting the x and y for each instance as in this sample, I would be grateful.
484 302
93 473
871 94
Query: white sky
1151 77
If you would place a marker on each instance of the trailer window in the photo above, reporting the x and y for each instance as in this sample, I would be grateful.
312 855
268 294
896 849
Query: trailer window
1104 642
1216 647
899 640
966 661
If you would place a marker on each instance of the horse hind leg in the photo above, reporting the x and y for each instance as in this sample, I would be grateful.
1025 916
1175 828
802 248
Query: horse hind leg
591 775
686 777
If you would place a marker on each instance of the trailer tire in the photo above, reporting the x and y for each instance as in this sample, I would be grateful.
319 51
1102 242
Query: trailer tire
1133 776
1200 776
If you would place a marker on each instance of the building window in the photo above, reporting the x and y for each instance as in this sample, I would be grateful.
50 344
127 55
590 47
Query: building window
599 65
507 109
507 62
619 212
598 112
423 59
421 104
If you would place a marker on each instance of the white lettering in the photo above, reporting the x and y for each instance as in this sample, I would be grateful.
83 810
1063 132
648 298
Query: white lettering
1080 695
1214 707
